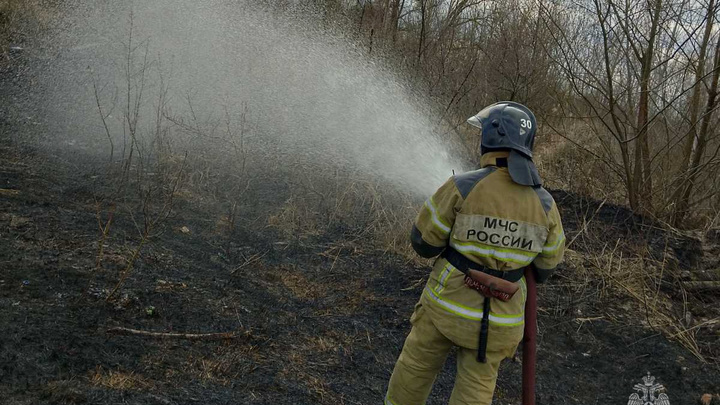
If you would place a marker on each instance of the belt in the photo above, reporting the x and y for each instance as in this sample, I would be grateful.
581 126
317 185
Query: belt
464 264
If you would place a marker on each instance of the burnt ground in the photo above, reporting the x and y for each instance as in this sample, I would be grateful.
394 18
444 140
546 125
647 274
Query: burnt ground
317 318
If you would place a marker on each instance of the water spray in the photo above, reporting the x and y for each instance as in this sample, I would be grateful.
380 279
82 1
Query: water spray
311 94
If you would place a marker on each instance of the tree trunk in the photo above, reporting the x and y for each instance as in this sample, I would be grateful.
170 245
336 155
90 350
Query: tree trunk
643 171
699 73
421 40
684 203
620 134
391 22
692 135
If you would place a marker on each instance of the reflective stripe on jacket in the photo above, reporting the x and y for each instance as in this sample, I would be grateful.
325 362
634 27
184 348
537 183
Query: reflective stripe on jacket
496 223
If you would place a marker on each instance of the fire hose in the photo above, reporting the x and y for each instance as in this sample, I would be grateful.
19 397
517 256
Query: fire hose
490 286
529 344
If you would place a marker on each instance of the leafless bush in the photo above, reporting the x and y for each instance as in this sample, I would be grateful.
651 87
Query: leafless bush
220 167
565 167
148 175
640 78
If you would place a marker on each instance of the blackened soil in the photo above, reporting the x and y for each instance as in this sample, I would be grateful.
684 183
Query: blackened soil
316 319
603 225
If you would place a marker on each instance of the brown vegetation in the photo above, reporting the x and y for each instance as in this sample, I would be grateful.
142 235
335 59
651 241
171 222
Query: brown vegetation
628 89
314 266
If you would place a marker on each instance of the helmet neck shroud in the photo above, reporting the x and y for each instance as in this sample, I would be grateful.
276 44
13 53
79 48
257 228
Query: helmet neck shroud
484 150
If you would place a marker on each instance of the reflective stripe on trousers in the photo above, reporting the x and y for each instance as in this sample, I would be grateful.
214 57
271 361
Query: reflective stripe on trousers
423 356
472 313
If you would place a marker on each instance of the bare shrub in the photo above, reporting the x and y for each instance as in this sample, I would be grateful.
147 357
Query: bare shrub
565 167
640 78
149 174
219 169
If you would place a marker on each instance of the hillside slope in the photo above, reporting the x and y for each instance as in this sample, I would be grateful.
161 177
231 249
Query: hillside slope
314 317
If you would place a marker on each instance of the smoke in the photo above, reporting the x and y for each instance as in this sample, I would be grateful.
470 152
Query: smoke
310 95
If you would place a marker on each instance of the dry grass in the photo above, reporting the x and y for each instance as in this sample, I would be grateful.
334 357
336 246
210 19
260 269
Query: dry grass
299 367
301 287
296 220
224 366
366 210
349 295
118 380
310 359
608 274
214 370
323 344
320 388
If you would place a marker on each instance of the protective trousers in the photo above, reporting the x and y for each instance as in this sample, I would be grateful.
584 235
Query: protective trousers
423 356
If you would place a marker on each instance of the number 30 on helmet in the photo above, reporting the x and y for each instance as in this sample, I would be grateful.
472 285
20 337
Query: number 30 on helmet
511 126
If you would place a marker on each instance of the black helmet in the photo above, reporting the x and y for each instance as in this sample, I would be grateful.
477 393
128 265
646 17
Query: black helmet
510 125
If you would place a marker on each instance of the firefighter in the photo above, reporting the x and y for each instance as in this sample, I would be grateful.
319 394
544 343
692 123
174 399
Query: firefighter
486 226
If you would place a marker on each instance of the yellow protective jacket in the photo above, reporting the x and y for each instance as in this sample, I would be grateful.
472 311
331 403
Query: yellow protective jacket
496 223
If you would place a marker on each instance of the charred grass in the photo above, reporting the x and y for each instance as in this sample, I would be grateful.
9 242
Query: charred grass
310 274
316 296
